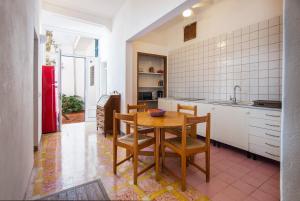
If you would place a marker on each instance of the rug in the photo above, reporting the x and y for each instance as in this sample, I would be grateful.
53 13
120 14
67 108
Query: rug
90 191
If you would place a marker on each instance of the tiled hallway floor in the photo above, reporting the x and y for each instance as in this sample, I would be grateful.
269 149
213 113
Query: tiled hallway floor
80 155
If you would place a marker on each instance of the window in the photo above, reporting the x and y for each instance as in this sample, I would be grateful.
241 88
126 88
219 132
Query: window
190 31
92 75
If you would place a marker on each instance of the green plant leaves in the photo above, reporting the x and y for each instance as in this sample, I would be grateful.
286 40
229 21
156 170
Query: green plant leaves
72 104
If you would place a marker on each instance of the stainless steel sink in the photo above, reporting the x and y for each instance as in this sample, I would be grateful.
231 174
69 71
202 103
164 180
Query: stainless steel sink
221 102
230 103
189 99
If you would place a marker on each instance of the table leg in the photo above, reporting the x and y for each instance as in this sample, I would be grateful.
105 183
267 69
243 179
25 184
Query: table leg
157 153
162 138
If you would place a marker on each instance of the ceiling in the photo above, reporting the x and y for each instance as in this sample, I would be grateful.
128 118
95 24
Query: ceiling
68 43
97 11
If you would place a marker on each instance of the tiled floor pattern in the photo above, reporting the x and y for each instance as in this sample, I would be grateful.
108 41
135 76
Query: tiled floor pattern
79 155
75 117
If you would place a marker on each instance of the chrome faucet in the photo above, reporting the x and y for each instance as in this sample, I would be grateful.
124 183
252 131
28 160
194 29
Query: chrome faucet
234 94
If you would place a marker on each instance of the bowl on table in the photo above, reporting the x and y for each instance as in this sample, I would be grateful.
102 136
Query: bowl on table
156 112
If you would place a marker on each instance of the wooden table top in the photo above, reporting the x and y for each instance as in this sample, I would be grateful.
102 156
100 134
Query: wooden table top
169 120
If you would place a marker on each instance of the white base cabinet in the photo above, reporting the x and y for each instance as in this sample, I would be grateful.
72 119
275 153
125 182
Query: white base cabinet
264 133
228 124
251 129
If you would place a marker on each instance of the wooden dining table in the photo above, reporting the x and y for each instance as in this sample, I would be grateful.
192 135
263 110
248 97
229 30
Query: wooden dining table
169 120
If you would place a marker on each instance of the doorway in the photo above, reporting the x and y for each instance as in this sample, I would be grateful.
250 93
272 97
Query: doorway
77 75
73 89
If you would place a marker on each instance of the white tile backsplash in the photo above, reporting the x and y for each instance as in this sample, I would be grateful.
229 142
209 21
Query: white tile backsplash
249 57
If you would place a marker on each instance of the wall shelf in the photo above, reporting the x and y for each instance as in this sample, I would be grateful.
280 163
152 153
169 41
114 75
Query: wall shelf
148 81
144 101
148 73
151 87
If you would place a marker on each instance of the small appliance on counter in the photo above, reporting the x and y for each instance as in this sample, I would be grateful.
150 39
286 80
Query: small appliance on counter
160 94
145 95
160 83
267 103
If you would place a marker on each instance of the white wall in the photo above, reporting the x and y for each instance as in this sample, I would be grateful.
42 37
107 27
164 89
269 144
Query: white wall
73 85
67 76
37 82
224 16
80 77
290 149
133 18
18 19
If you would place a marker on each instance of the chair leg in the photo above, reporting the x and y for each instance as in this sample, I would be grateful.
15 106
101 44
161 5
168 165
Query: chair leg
115 156
163 154
183 172
127 153
135 167
207 163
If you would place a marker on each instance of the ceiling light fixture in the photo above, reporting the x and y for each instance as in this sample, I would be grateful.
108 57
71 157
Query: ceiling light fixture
198 5
187 13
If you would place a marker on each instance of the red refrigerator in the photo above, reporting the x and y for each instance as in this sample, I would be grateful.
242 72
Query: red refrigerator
49 116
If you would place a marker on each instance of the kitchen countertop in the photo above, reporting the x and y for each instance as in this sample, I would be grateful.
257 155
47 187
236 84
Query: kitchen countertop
224 103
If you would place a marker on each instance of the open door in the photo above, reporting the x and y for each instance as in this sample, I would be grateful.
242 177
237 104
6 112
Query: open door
73 89
92 82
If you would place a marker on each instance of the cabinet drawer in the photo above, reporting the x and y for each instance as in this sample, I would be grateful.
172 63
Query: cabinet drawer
263 151
268 143
266 114
265 124
264 133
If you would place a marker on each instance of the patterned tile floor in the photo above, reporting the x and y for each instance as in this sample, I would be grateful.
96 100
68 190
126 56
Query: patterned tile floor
79 155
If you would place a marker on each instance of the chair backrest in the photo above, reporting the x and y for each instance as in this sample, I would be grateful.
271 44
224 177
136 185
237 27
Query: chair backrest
196 120
127 119
138 108
189 108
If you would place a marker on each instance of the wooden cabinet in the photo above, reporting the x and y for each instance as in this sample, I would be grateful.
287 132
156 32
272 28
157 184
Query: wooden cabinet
105 108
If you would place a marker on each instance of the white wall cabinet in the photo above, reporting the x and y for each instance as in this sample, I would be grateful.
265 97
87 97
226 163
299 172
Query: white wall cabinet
250 129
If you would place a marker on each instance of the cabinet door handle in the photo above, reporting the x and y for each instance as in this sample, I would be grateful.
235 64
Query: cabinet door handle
272 135
271 145
271 115
273 125
272 154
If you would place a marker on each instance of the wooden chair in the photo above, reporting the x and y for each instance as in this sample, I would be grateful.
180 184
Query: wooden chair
187 146
131 142
184 108
139 108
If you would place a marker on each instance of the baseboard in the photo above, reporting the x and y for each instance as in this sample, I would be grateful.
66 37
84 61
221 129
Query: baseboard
35 148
